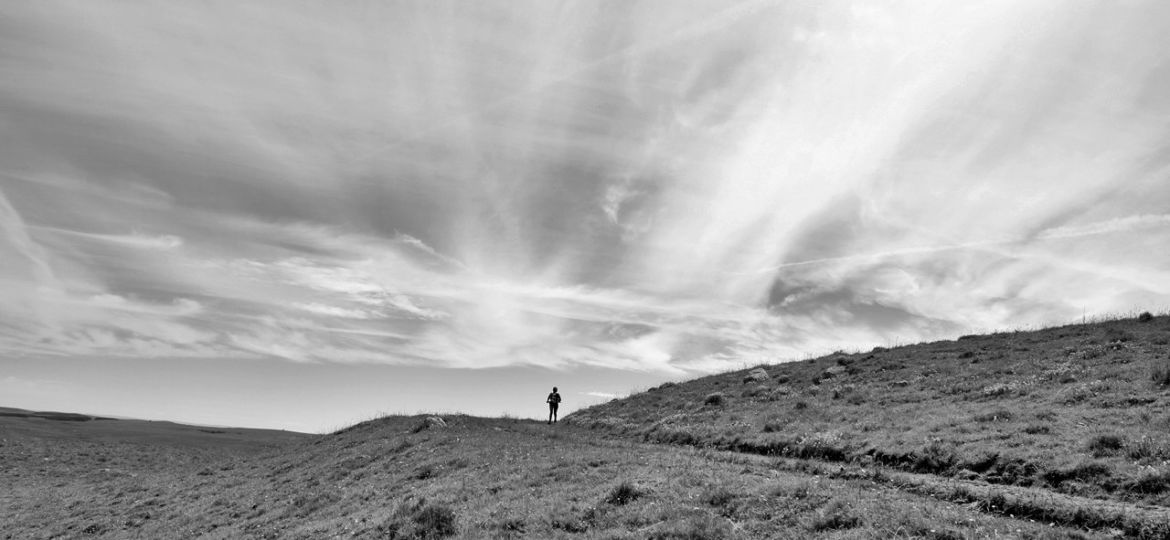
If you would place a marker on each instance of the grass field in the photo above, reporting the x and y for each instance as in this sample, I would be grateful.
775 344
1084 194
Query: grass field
1057 433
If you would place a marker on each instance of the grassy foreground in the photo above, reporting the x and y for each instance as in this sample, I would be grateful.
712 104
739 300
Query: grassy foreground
1049 434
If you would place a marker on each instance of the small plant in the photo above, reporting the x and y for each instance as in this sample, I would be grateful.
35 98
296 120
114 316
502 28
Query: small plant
715 399
623 494
1146 316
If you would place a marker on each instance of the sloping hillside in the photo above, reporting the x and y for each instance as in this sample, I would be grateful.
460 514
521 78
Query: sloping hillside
472 478
1058 433
1081 410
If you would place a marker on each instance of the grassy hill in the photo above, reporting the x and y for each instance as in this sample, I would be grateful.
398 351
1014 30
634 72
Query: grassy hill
1049 434
1080 410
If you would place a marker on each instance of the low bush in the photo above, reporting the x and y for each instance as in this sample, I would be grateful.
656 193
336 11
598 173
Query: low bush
715 399
1146 316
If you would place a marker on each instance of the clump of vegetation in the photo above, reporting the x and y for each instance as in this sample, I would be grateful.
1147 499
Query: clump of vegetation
1037 429
1161 375
1106 445
1083 472
703 527
998 415
1114 334
721 498
1146 316
935 458
418 520
1150 483
715 399
623 494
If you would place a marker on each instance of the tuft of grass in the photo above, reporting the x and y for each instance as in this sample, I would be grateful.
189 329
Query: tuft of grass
998 415
1037 429
715 399
415 519
703 527
722 498
833 516
624 494
1106 445
1083 472
1161 375
1145 317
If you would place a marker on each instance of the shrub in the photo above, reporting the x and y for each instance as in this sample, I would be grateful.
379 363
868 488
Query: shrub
1104 445
624 493
800 405
715 399
1146 316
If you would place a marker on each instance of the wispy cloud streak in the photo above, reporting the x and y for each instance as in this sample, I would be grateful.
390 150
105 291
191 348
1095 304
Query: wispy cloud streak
643 186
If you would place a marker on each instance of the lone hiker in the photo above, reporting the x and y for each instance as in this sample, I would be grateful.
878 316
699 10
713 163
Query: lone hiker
553 400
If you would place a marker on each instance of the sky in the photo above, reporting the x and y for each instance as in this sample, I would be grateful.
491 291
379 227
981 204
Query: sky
300 215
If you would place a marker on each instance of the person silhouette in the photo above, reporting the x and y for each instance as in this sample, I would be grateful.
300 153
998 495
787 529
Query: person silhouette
553 400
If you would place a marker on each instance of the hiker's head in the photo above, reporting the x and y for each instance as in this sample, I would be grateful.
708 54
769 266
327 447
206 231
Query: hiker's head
554 389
